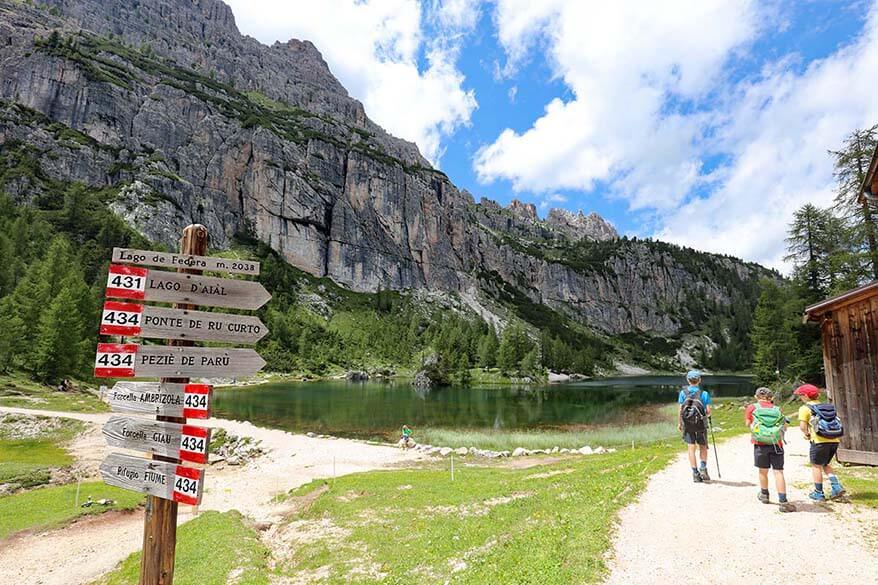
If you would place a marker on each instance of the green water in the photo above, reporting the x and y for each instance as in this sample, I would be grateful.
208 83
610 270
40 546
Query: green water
374 408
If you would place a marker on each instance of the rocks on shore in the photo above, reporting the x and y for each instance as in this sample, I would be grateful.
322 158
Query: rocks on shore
517 452
234 450
356 376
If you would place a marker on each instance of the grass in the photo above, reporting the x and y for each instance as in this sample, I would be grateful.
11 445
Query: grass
543 439
29 462
54 506
16 390
547 524
213 549
861 482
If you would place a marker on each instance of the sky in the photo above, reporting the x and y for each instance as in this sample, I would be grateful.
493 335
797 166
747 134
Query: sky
704 123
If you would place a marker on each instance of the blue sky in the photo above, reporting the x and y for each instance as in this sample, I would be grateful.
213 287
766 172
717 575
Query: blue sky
702 122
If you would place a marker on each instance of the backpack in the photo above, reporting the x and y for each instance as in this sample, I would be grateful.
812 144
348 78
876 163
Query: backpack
692 414
825 422
767 425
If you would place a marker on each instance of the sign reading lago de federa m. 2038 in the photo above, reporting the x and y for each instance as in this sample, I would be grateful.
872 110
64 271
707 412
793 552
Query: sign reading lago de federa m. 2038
156 478
171 260
143 284
130 360
133 320
162 398
183 442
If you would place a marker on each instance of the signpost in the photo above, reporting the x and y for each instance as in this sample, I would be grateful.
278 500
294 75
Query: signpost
114 360
183 442
156 478
143 284
133 320
176 400
166 260
172 399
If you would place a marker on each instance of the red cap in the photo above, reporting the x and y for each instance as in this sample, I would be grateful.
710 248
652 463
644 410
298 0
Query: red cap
809 390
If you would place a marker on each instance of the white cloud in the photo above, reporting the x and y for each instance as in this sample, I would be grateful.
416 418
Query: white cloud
372 46
630 66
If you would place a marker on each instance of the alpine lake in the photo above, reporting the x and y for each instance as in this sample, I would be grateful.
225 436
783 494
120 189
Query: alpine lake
377 410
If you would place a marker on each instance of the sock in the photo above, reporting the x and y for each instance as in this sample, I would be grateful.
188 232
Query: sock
818 487
764 492
834 480
781 497
703 465
694 470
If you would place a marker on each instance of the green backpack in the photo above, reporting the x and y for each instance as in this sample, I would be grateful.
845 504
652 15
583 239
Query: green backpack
767 425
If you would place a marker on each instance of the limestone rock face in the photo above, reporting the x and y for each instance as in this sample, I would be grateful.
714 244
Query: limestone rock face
189 121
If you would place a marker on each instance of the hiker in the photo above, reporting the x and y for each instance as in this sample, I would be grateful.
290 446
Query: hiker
767 427
821 426
692 421
406 441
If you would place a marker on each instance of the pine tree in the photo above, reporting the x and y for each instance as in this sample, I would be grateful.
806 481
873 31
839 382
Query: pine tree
851 165
811 242
59 337
513 347
488 347
530 363
773 342
12 328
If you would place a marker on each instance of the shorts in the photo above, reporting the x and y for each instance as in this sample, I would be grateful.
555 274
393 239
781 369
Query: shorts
699 437
822 453
768 457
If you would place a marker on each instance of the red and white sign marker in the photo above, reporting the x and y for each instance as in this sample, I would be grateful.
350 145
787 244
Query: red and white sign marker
115 360
121 319
162 398
126 282
156 478
184 442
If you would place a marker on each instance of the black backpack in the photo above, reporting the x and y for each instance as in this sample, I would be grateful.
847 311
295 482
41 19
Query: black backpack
692 414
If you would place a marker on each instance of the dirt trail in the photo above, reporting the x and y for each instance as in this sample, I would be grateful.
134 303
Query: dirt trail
85 550
682 532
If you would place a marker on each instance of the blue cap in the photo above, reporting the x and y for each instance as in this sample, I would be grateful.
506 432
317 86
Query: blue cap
693 375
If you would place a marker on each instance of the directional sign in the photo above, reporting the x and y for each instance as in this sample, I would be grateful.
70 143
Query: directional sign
165 399
156 478
132 282
183 442
165 260
134 320
168 361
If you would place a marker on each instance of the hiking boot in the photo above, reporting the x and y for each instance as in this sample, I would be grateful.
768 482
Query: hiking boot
837 491
703 473
763 498
817 496
696 477
786 507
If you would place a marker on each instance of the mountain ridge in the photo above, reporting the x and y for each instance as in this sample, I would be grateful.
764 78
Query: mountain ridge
165 103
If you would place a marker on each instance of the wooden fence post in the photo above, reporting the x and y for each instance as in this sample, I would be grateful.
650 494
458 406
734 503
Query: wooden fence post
160 524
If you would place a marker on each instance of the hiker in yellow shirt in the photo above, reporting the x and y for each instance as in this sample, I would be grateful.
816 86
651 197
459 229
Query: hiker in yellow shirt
820 424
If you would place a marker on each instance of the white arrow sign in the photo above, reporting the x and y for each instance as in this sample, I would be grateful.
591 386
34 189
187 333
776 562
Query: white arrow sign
183 442
133 320
171 260
156 478
159 398
167 361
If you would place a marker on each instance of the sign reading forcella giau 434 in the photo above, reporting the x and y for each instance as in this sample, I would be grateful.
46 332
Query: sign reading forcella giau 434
143 284
133 320
162 398
114 360
156 478
183 442
171 260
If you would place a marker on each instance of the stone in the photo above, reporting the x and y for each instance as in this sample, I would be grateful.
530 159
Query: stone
586 450
564 450
555 378
600 450
356 376
462 451
445 451
519 452
554 450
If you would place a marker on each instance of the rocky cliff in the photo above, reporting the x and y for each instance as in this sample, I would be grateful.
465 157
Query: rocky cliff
167 105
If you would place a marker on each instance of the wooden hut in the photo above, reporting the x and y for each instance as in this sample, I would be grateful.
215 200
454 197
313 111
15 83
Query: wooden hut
849 323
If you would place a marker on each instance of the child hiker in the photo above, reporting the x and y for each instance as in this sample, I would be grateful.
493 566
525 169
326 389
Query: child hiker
767 427
694 411
820 425
406 441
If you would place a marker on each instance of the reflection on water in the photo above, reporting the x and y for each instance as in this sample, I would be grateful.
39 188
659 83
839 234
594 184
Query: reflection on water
375 408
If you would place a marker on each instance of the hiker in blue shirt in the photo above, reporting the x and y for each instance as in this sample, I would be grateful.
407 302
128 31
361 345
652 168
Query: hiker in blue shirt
692 422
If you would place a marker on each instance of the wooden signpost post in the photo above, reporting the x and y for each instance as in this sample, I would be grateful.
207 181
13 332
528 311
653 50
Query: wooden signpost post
172 399
143 284
132 320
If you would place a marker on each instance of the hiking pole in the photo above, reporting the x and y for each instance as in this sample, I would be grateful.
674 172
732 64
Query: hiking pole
715 457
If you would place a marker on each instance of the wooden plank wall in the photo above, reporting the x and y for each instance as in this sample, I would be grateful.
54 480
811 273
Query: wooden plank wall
850 354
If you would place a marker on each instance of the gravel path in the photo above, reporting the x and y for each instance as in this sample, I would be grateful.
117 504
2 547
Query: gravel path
682 532
83 551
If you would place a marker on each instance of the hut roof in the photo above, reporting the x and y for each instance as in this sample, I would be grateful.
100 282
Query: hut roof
851 296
